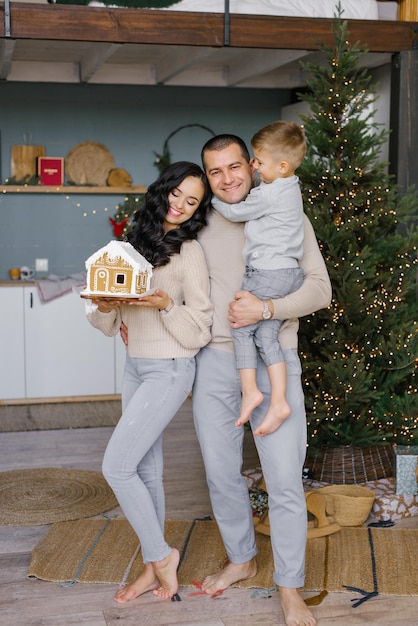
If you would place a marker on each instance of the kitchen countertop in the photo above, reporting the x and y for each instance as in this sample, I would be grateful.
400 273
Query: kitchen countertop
16 283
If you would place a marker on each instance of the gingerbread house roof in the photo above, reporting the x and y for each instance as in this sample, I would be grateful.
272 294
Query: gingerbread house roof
121 249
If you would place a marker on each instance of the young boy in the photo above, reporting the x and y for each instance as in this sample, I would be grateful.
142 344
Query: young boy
273 212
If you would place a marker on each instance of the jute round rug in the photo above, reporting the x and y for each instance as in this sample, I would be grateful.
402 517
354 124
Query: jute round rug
32 497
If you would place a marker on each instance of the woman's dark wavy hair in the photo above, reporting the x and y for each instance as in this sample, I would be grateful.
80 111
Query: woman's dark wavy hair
147 231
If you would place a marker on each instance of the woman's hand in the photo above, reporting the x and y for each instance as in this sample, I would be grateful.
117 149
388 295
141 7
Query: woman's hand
158 300
244 310
105 305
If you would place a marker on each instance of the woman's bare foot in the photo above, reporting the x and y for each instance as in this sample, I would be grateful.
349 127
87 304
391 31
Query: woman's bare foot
147 581
296 613
274 418
232 573
166 572
249 403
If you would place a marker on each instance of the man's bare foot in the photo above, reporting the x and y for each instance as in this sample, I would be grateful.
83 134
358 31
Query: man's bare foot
232 573
249 403
166 572
147 581
296 613
274 418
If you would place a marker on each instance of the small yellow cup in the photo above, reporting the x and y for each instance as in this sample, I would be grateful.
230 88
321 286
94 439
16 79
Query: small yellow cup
14 273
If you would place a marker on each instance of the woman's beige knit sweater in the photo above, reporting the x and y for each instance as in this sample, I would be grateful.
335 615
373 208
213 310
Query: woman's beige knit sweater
185 328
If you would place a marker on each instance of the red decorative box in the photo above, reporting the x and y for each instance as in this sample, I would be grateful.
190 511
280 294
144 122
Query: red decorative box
51 171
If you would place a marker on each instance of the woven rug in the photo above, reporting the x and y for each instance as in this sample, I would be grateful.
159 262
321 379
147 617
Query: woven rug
59 415
106 551
32 497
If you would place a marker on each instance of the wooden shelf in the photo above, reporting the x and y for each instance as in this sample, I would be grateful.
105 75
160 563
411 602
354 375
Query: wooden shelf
73 189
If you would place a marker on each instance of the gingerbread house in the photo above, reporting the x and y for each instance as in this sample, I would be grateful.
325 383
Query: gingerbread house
117 269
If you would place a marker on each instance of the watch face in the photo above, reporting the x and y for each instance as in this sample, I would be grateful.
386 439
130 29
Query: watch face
266 314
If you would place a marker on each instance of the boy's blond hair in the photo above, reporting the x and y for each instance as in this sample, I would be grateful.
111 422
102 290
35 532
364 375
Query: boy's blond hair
283 139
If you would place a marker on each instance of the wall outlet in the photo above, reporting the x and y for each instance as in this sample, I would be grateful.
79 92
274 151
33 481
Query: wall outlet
41 265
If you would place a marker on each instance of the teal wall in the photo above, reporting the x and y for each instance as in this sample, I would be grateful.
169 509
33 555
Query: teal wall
132 122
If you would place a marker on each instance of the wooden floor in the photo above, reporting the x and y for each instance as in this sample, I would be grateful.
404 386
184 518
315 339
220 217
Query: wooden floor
26 602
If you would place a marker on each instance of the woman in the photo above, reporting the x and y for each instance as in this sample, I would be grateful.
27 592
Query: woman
166 330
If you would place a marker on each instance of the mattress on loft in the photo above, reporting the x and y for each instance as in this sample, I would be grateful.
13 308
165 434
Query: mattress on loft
352 9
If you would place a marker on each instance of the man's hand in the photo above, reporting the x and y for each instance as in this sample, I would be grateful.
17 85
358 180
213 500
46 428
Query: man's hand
245 309
124 333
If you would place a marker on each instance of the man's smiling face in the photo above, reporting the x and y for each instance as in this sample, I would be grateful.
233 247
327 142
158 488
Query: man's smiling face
229 174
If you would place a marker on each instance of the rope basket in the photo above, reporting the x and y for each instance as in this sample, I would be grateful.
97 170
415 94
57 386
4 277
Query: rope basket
349 505
351 464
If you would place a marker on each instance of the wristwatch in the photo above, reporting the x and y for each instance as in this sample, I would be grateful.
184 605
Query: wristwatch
266 314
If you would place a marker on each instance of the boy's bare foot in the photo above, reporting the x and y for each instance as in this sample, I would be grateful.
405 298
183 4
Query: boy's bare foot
166 572
230 574
147 581
296 613
274 418
249 403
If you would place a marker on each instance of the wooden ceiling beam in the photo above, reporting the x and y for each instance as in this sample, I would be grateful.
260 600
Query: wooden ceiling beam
179 60
62 22
262 62
94 58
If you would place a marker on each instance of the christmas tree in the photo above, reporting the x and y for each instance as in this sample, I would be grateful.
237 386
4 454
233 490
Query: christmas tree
359 356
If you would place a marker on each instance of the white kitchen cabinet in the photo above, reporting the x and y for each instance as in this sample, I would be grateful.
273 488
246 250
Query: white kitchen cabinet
12 346
53 349
65 355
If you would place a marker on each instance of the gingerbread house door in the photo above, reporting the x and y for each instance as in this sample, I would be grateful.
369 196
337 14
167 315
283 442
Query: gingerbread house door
101 279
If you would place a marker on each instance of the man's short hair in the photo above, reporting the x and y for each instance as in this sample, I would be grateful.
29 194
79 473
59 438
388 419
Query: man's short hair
220 142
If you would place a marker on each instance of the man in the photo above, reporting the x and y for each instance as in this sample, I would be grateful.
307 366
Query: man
217 394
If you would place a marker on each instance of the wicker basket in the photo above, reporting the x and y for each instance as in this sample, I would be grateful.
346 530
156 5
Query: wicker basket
349 505
351 464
